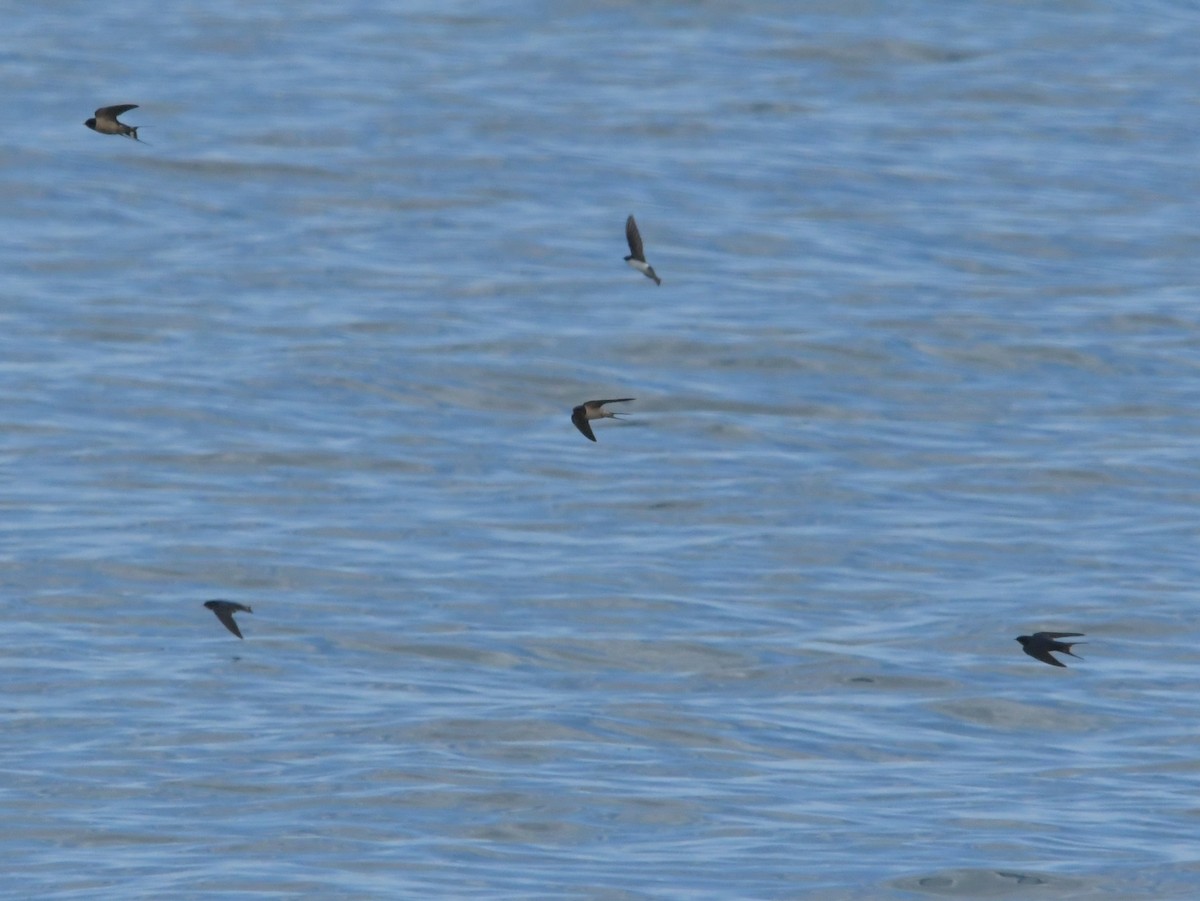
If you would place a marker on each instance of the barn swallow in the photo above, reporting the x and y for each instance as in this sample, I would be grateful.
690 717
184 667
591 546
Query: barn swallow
1040 644
637 256
106 122
594 409
225 610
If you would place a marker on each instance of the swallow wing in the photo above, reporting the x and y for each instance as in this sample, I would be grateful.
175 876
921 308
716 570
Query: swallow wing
1053 635
1043 655
225 615
634 237
111 112
579 417
611 400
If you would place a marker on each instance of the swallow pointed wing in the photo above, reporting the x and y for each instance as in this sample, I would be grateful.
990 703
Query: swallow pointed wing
1043 655
111 112
579 417
634 237
1059 634
227 620
611 400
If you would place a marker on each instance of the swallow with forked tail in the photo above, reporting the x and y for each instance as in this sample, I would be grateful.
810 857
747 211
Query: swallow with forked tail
594 409
106 122
225 611
637 256
1040 644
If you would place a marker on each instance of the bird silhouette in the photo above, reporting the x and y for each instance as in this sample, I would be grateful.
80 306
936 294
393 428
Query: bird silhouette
225 611
594 409
106 122
637 256
1040 644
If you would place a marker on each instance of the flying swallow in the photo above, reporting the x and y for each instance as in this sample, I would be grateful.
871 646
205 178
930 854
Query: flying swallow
594 409
637 256
106 121
1040 644
225 611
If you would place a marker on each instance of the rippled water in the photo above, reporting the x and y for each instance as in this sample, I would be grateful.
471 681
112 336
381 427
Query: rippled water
922 376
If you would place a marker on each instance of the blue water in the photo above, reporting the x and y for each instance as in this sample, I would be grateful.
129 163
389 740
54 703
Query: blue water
922 376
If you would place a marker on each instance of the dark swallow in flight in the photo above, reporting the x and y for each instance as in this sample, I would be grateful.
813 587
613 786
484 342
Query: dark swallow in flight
594 409
637 256
106 122
225 611
1040 644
